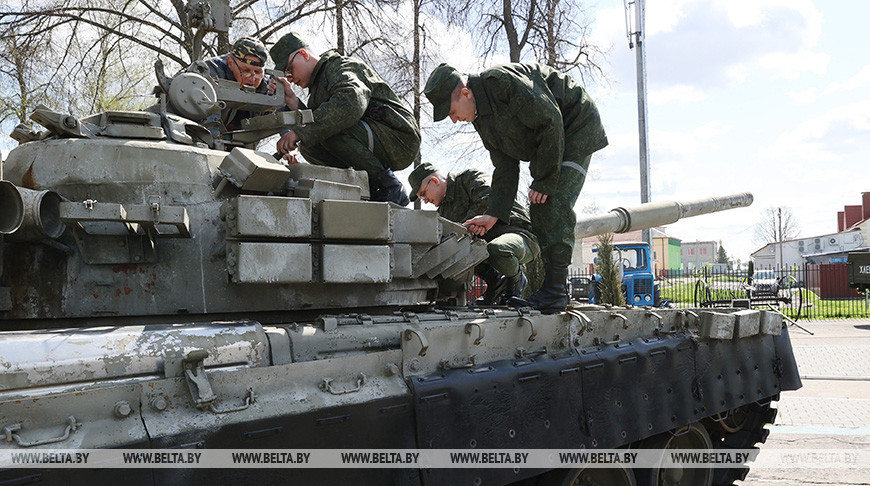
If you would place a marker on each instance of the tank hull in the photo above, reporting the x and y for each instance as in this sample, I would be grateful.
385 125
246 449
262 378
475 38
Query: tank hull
592 378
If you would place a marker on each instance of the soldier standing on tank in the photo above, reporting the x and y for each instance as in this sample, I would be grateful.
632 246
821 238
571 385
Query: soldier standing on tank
464 195
359 122
534 113
244 63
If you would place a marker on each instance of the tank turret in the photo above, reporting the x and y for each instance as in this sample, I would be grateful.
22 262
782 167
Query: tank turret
117 226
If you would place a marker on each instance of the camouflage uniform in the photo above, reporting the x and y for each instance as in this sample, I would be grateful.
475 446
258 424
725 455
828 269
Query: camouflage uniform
509 244
359 121
532 112
231 118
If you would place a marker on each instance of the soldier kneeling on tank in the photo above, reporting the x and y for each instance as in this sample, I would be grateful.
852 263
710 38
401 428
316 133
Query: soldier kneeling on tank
359 122
462 196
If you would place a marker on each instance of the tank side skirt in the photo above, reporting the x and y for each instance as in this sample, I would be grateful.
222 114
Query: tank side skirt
614 394
637 388
378 424
785 363
532 402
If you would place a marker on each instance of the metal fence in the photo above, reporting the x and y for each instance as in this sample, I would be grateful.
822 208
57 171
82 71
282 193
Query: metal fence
813 291
808 292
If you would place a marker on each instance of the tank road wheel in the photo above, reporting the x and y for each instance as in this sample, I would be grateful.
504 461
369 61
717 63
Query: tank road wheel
612 476
703 295
748 424
693 436
732 420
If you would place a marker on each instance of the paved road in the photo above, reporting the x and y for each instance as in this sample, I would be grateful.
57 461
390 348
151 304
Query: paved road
831 411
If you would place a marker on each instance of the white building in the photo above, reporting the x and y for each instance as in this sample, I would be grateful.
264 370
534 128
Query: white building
853 224
697 254
810 250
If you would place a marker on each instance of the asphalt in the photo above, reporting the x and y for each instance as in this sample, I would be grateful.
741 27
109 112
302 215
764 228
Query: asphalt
831 411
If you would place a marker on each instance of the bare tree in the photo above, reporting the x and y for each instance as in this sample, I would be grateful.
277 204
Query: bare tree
85 56
24 81
265 19
776 224
552 32
498 23
159 27
165 32
560 38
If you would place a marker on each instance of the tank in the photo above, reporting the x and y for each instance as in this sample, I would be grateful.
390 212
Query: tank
162 290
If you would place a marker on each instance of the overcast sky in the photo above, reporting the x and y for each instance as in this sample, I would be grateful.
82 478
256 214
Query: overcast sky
765 96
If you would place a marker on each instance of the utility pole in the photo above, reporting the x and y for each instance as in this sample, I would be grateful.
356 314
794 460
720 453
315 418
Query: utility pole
779 237
634 26
417 27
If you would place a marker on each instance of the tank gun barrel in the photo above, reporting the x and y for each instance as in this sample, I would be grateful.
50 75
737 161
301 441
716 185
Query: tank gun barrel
649 215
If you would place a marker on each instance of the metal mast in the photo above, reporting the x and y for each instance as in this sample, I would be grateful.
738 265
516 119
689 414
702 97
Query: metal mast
634 26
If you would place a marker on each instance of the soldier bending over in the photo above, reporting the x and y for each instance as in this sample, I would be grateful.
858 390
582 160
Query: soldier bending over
462 196
535 113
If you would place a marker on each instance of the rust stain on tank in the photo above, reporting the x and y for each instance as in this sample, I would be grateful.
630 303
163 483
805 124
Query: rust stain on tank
127 269
27 179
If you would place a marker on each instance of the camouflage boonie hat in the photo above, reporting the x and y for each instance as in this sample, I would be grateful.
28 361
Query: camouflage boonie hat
439 89
285 46
249 45
418 175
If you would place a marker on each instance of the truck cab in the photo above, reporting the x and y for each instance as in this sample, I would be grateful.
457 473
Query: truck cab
858 269
638 278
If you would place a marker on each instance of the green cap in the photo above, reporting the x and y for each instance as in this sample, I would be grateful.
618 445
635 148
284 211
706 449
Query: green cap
417 176
285 46
249 45
439 89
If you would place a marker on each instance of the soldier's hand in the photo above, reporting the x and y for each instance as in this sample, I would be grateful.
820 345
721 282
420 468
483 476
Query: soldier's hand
537 197
290 159
290 98
272 86
287 142
479 225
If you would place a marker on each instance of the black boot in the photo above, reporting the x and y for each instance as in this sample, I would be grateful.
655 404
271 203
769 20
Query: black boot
385 187
496 283
553 295
514 291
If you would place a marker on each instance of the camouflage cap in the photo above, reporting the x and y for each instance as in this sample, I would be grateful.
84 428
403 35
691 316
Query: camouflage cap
418 175
286 45
248 45
439 89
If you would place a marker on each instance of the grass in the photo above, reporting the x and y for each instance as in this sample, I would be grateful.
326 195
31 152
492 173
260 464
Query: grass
833 308
682 294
